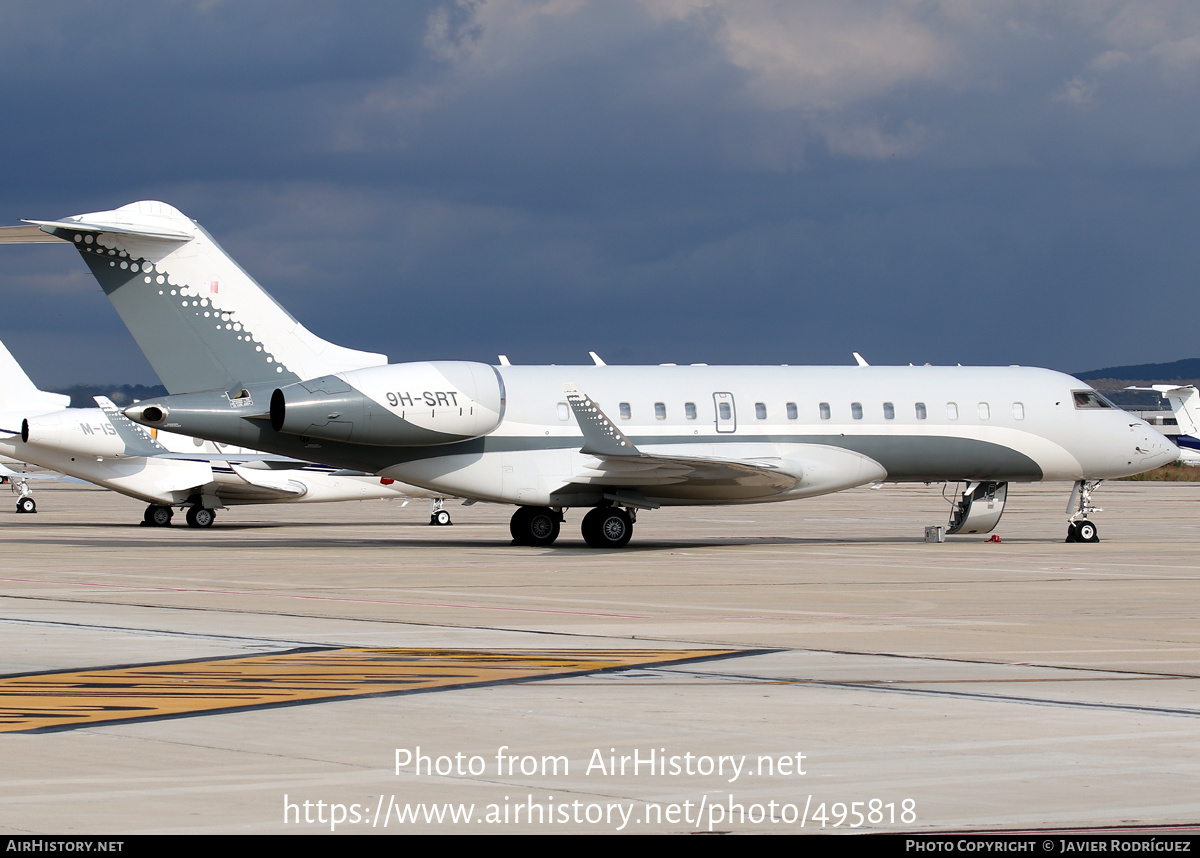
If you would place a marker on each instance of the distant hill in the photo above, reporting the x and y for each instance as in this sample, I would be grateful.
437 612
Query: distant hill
1180 370
1113 381
121 394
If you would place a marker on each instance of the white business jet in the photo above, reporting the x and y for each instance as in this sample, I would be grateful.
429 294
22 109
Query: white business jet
613 440
102 446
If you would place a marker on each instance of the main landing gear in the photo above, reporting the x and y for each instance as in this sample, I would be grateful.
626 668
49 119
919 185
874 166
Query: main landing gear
602 527
608 527
1079 507
200 516
535 525
439 516
157 515
25 501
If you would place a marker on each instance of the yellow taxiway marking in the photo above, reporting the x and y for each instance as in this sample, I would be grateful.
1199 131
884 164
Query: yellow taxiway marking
80 698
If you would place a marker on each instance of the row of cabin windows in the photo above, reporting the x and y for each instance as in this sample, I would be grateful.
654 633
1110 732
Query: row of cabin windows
793 412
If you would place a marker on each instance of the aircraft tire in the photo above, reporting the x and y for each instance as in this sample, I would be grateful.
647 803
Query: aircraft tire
607 527
158 516
441 518
534 525
199 516
1072 533
1086 531
26 505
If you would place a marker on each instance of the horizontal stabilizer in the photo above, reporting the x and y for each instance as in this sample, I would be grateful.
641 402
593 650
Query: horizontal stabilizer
154 232
26 235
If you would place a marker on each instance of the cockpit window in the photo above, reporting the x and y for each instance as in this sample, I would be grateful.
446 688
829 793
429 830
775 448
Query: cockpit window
1090 399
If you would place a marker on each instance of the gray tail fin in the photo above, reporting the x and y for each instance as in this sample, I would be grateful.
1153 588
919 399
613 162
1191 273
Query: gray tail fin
202 322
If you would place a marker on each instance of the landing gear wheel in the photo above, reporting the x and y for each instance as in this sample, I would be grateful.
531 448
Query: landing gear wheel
1072 533
1086 532
199 516
158 516
26 505
441 518
607 527
534 525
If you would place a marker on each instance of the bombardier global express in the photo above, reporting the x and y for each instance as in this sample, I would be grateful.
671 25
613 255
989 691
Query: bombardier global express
613 440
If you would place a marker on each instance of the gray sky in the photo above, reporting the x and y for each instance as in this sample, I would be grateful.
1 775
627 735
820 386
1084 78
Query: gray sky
995 182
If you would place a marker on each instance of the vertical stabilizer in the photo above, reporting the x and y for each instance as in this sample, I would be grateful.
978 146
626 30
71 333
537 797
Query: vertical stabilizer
1185 402
18 393
202 322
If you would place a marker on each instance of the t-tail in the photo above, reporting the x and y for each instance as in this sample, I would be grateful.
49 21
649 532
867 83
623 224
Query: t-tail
203 323
1185 403
19 396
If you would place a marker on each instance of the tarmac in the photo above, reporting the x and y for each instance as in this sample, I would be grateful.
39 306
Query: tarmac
806 667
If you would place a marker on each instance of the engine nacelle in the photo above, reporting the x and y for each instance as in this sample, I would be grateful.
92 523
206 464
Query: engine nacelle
82 431
399 405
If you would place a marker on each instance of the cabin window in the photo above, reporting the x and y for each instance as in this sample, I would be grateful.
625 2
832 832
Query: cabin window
824 409
985 412
563 411
1018 411
760 410
625 412
660 411
725 411
921 412
889 411
952 410
792 412
856 410
689 410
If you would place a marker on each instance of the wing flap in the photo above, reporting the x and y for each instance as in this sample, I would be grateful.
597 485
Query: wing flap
270 481
653 470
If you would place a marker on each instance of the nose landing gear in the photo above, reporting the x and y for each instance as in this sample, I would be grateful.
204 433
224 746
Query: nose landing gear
1079 507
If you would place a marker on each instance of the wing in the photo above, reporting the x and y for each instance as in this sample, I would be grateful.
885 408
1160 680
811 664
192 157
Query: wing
616 462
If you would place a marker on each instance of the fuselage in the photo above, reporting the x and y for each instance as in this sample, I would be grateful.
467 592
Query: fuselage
83 443
818 429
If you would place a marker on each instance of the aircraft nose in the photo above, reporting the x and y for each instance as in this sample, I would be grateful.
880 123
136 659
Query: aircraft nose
1155 449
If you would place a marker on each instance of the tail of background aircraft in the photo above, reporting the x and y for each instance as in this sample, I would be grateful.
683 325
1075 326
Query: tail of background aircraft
202 322
1185 403
19 395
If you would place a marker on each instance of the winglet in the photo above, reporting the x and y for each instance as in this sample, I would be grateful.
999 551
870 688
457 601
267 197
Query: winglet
859 359
601 437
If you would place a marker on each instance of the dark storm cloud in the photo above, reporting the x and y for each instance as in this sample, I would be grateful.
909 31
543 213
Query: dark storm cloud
666 180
